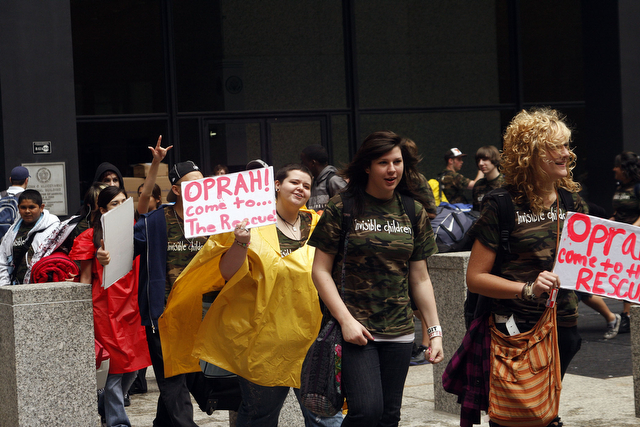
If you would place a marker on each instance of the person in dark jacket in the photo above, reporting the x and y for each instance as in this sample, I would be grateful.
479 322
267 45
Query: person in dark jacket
109 174
165 251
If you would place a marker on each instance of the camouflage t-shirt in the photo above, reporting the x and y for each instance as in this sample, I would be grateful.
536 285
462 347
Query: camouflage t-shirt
425 191
288 245
533 250
626 205
454 184
180 250
19 250
482 187
381 242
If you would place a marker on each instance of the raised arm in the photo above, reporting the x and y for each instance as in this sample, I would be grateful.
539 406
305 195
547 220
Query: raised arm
158 153
233 259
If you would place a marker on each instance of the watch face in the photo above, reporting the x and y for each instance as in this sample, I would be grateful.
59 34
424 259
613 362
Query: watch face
233 85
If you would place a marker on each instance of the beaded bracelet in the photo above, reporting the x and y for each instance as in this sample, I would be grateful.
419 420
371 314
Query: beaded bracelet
242 245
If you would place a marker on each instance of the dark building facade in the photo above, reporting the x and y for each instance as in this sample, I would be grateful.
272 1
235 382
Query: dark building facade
226 81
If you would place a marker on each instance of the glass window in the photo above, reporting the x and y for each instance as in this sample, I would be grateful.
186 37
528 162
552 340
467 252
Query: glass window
122 143
552 59
235 55
435 133
288 138
425 53
117 57
233 143
340 141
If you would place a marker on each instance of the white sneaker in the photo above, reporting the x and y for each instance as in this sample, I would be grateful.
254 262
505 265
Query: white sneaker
612 331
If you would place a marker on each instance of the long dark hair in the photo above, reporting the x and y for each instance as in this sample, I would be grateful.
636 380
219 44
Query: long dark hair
629 164
106 195
374 146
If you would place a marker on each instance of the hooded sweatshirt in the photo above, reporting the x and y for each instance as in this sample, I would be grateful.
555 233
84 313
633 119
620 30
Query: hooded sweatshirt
106 166
44 227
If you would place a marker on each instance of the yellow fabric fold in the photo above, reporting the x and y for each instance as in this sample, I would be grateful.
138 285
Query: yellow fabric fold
261 324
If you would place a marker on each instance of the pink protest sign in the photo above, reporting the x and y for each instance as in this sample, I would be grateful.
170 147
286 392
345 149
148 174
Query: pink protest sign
217 204
600 257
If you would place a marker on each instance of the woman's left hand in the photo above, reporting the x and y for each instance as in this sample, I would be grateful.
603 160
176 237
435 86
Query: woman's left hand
435 352
103 256
159 152
242 233
544 283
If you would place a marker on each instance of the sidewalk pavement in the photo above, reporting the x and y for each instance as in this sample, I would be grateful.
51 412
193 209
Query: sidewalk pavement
585 402
602 395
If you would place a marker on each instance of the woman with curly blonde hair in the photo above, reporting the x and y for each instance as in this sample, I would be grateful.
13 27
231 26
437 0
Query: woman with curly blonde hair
537 162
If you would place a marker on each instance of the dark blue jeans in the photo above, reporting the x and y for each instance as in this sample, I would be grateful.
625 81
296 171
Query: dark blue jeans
373 379
261 407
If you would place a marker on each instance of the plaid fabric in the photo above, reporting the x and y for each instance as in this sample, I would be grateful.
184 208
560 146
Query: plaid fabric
467 374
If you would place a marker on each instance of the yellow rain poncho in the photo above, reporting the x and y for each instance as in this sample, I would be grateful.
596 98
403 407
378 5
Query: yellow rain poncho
261 324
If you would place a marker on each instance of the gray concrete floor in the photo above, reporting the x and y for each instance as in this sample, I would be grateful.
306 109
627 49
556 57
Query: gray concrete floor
585 402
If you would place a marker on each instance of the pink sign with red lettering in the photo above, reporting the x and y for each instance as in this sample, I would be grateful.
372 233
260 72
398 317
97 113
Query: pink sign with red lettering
600 257
215 205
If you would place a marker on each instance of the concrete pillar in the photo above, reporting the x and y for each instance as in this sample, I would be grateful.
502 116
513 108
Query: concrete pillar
47 356
448 274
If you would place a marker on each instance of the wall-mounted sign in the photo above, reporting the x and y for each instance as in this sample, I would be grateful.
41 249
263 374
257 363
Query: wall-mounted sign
41 147
49 180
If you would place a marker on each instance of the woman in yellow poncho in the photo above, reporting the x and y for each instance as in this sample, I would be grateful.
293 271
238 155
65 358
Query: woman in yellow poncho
267 314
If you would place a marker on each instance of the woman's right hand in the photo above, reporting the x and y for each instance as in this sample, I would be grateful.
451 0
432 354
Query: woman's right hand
355 333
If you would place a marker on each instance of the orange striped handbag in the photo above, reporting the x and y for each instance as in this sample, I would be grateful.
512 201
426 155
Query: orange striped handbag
525 382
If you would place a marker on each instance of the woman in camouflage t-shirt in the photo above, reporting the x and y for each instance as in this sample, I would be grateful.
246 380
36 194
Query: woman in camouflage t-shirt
626 205
536 161
386 257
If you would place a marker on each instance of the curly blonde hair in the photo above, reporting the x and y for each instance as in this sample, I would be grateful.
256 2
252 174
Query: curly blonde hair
527 140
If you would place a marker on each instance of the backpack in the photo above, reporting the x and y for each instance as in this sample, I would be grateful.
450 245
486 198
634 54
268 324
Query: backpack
477 305
450 226
8 212
438 191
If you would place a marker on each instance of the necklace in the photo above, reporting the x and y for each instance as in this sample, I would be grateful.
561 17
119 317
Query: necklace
180 225
292 226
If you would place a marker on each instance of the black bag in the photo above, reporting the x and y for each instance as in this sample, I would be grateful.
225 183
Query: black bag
223 394
450 226
321 390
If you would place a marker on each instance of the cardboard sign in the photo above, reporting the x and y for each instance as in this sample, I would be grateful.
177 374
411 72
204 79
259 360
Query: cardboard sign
217 204
117 233
600 257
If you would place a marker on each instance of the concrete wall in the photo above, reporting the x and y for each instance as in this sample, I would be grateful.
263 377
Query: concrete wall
37 100
47 357
448 275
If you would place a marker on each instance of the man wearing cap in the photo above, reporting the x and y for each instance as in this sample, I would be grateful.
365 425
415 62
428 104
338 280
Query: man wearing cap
454 183
165 251
19 180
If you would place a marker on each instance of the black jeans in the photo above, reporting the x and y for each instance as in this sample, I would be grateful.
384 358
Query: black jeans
373 379
174 403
